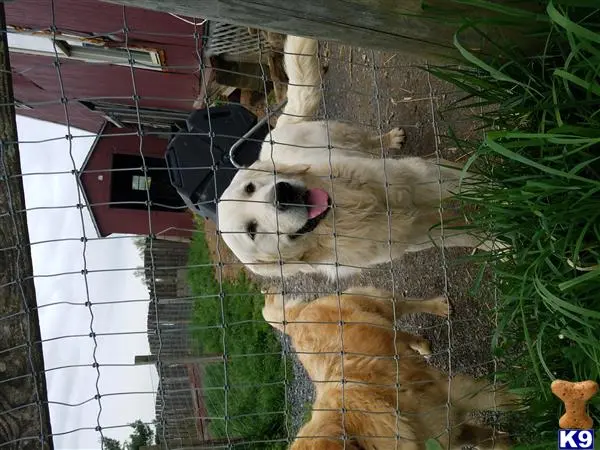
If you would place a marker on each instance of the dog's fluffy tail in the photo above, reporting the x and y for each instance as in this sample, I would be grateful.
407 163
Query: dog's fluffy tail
304 73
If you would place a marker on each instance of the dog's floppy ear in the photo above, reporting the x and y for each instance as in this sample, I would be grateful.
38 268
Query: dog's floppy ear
292 169
268 165
273 310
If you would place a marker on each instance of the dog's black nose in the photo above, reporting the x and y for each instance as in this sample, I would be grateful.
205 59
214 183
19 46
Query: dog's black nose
286 195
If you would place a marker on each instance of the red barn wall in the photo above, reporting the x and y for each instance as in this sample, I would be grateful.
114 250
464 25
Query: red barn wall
36 78
120 220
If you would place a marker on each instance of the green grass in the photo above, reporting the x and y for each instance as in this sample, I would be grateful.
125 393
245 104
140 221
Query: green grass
541 160
246 396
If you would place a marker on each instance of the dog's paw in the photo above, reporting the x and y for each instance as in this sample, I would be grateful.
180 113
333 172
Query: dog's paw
442 306
422 347
396 138
270 289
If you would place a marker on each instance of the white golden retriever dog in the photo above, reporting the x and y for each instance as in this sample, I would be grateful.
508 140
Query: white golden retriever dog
319 200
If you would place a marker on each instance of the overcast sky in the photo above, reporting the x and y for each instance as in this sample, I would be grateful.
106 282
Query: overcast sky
128 393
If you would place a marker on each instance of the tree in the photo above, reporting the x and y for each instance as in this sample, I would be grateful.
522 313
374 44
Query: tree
142 435
111 444
140 245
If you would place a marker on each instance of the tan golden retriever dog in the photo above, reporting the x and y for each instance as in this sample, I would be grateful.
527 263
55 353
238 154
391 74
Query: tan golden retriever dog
361 412
318 201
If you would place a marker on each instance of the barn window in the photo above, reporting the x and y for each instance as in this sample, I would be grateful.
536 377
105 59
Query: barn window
132 186
72 47
140 183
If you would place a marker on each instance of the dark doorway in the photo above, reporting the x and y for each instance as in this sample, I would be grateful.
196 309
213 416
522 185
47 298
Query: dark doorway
130 184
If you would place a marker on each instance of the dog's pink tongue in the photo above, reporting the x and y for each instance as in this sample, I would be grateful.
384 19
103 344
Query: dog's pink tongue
316 202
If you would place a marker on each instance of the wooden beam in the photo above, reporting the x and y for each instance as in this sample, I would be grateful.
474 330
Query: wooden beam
27 424
399 25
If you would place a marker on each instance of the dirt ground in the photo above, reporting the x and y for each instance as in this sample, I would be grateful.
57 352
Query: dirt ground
384 90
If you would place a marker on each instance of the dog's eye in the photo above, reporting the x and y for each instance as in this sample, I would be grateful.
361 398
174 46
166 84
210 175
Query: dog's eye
250 188
251 230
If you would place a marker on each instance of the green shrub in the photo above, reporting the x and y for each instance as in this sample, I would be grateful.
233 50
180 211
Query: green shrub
541 162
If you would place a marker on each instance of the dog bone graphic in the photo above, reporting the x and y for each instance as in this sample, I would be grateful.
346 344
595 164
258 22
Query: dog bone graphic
574 395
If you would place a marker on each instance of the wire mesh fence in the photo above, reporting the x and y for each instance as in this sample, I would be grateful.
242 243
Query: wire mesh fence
145 314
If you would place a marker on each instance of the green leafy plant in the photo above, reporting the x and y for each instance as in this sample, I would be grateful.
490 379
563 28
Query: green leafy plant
540 160
432 444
